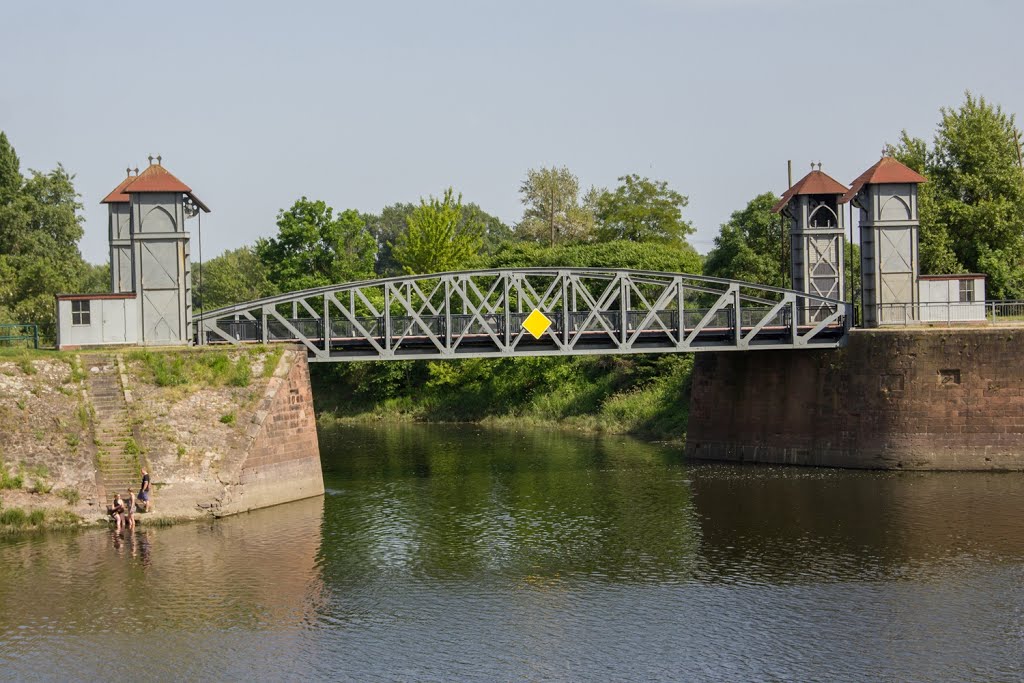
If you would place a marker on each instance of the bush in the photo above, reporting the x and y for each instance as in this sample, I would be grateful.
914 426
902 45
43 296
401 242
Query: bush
228 419
72 496
7 481
13 517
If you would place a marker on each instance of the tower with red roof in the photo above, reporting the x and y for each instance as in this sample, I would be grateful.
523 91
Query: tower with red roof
150 251
886 195
816 232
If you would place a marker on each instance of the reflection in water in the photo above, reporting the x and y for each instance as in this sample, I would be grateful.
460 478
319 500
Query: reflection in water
467 554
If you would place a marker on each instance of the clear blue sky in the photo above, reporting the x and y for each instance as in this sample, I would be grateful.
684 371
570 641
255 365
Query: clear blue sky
366 104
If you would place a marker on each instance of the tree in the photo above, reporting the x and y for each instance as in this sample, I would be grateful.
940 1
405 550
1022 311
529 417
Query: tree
553 213
40 226
495 232
438 238
95 278
10 168
749 245
233 277
314 247
678 257
385 229
642 210
972 208
393 221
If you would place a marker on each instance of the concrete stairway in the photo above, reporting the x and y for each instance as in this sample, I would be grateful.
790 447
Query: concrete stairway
117 452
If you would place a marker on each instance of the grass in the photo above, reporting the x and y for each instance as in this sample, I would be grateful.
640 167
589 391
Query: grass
71 496
26 366
200 368
228 418
131 446
41 486
8 481
16 520
270 361
84 414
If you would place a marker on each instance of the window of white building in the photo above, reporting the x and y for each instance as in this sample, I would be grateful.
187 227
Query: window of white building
966 291
80 314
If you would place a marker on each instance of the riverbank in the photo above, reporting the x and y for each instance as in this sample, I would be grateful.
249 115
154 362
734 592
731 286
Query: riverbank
220 430
642 396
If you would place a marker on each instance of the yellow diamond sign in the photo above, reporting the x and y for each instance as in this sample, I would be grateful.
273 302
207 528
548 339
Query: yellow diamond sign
536 323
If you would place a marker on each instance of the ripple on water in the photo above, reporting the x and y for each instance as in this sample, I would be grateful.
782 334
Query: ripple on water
480 556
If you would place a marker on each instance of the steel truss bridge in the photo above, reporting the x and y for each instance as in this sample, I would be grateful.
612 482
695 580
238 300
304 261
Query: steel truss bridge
480 314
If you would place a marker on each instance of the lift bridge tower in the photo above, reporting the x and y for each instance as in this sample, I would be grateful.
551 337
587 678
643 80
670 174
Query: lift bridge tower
817 245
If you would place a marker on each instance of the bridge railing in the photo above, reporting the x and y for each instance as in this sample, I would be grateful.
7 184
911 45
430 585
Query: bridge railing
482 313
949 313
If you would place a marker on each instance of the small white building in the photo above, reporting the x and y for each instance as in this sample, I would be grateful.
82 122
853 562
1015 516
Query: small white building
150 268
952 298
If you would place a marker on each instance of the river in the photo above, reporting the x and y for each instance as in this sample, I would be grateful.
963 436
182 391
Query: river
466 554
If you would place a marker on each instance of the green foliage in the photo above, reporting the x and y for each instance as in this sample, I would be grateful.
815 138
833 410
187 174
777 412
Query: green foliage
26 366
71 496
553 212
95 278
15 517
643 210
385 229
678 257
13 520
233 277
84 415
10 168
227 418
40 226
315 247
749 246
131 446
210 368
241 373
41 486
646 395
972 208
168 370
9 481
270 360
438 238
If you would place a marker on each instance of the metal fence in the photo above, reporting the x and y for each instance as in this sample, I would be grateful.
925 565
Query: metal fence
933 313
18 332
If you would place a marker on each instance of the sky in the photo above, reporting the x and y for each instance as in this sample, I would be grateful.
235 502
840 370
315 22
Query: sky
366 104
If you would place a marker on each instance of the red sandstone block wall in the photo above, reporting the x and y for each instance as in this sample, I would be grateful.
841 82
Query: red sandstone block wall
283 463
910 399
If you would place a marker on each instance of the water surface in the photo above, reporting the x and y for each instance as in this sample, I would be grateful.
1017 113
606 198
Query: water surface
443 554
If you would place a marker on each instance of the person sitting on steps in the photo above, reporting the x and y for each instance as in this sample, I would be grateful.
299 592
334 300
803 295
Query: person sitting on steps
116 511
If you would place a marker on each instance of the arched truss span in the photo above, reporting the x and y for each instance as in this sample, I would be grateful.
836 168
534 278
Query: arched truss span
478 314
